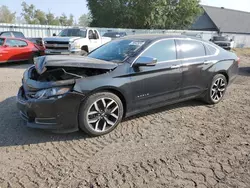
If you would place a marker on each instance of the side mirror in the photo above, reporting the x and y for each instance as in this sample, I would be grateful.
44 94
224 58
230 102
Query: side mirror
54 34
231 40
145 61
5 46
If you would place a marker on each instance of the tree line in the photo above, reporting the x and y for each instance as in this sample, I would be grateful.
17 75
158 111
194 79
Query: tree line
138 14
144 14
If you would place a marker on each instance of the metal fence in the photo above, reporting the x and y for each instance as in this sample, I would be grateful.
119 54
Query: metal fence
48 30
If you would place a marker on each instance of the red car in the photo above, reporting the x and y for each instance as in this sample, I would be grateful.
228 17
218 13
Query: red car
15 49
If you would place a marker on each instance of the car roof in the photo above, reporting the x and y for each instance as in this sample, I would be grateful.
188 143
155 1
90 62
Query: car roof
156 37
14 38
153 36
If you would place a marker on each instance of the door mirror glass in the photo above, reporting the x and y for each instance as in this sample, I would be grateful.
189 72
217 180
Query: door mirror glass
54 34
145 61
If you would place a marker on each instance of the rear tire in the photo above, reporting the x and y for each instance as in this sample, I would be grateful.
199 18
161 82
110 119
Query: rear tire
100 113
216 90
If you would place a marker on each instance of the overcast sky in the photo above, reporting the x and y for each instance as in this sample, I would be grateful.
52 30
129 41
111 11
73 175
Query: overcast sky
243 5
78 7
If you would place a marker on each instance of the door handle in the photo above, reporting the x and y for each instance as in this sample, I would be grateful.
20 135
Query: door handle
206 62
209 62
175 66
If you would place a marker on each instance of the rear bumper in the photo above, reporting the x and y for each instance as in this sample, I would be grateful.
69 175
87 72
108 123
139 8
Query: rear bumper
60 115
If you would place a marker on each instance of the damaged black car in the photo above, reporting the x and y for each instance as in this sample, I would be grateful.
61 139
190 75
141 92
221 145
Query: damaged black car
120 79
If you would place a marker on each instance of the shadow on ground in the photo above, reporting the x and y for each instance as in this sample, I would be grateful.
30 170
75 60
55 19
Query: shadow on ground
244 71
13 131
16 65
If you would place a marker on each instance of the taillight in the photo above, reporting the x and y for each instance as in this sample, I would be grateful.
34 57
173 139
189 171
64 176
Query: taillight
238 60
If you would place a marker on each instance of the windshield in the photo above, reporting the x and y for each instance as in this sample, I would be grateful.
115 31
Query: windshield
1 42
117 51
73 33
221 39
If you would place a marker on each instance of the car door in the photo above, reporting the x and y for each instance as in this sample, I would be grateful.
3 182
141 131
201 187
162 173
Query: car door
93 40
17 50
25 49
98 39
159 84
193 55
11 50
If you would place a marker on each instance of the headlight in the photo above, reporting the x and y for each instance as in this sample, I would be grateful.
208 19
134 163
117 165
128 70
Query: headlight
51 93
76 45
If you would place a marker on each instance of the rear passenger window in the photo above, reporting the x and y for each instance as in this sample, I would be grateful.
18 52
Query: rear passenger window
11 43
162 51
211 50
192 49
16 43
21 43
96 34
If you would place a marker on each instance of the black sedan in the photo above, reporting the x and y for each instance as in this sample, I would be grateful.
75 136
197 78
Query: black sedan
120 79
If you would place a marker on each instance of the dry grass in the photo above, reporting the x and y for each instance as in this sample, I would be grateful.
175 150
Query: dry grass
242 51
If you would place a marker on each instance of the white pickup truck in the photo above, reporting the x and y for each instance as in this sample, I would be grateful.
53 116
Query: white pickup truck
74 41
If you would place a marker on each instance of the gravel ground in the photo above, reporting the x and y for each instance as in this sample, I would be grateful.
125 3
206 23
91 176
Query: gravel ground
183 145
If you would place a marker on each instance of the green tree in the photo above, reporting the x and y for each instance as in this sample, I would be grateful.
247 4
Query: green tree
84 20
6 16
29 13
40 17
32 15
52 20
146 14
70 20
63 19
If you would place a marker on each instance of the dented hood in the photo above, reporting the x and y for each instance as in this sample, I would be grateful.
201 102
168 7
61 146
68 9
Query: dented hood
41 63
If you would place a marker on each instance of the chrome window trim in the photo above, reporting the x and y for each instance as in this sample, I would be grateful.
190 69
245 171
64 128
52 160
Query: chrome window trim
183 59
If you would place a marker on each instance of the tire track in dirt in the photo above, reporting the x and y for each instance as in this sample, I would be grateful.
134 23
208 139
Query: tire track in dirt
183 145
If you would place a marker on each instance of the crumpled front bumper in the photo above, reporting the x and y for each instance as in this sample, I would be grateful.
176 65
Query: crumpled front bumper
58 115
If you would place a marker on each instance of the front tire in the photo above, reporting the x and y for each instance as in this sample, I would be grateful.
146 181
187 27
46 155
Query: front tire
217 89
100 113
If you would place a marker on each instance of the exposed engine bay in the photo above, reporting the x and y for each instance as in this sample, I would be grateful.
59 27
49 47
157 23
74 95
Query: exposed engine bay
53 76
65 73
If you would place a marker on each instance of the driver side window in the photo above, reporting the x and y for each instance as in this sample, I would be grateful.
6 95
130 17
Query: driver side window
164 50
91 34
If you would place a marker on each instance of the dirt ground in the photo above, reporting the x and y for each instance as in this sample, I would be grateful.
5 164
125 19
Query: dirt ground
183 145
